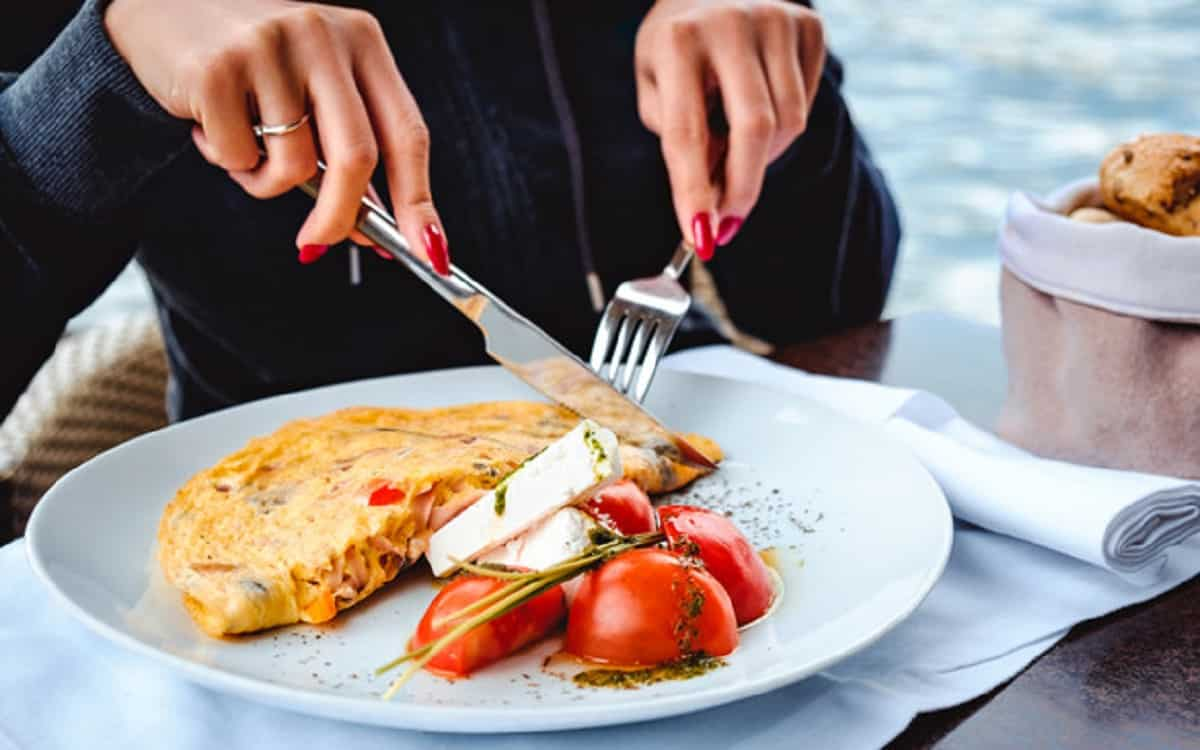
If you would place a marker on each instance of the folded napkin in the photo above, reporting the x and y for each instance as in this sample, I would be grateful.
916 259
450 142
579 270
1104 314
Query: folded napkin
1119 520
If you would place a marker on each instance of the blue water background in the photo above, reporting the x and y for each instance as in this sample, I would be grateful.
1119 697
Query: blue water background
965 102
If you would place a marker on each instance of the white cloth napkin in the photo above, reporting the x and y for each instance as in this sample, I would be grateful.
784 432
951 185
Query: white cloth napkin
1000 604
1119 520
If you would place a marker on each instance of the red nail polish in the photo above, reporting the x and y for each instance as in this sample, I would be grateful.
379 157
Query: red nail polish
728 228
435 248
382 253
312 253
702 236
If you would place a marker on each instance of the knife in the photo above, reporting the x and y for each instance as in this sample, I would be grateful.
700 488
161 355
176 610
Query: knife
520 346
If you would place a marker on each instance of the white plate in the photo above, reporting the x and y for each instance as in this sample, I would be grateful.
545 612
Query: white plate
862 533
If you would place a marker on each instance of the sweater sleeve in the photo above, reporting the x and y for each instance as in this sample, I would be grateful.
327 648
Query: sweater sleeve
818 251
79 137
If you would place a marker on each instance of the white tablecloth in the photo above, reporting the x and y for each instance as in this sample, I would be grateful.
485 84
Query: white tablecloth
1000 604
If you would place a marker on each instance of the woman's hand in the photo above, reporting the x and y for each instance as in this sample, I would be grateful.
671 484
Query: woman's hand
760 61
226 64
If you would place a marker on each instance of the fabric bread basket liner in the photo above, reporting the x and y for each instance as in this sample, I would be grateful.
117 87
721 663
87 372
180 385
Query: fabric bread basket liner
1102 337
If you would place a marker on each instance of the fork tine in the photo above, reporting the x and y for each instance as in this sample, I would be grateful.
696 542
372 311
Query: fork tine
604 333
618 353
654 352
635 353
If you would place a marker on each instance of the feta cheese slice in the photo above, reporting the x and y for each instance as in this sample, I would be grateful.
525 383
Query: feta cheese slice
568 471
551 541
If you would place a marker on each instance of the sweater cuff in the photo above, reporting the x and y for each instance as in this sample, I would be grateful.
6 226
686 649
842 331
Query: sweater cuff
81 127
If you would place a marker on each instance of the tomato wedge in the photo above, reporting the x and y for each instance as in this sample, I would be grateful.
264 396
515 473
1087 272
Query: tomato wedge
622 507
649 606
491 641
725 552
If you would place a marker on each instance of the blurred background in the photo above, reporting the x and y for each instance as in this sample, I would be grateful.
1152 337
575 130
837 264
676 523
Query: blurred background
963 102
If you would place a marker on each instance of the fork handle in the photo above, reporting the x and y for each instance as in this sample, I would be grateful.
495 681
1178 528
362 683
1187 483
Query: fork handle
679 261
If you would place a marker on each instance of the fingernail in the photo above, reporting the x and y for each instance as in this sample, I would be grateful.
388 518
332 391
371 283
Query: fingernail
702 236
312 253
435 248
382 253
728 228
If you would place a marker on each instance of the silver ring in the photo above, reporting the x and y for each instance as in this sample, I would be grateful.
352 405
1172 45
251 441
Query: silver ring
261 130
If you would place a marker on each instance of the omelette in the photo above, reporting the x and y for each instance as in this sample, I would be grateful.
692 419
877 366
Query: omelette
310 520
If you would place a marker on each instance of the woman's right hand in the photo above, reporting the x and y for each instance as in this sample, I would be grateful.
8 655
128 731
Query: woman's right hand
226 63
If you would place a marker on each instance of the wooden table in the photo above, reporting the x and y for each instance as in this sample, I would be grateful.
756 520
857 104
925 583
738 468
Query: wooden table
1128 680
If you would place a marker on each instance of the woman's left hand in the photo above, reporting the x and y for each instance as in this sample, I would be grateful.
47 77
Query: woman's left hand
761 61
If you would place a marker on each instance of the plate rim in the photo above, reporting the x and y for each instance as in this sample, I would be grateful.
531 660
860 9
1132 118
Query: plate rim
433 717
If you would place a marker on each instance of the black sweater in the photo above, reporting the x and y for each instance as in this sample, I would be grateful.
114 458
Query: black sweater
93 173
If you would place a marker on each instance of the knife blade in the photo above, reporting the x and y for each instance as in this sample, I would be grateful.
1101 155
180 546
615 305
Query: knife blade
521 347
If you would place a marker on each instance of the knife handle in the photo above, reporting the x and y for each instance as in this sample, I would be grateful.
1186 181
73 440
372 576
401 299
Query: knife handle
377 224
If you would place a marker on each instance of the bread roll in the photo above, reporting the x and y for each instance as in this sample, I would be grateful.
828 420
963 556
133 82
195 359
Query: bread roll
1091 215
1155 181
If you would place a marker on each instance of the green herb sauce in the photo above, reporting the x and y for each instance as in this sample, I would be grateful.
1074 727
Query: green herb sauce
598 535
621 679
599 455
501 489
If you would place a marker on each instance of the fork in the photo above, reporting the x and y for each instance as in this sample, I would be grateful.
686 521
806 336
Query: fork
647 311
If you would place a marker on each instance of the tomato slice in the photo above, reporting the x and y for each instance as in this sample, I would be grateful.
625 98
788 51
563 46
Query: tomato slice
386 495
649 606
491 641
623 508
725 552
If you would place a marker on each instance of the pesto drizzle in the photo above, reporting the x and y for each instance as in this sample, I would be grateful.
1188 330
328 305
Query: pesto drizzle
630 679
599 455
501 490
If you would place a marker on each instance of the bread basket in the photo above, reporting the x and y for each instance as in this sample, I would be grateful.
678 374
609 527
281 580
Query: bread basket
1102 337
